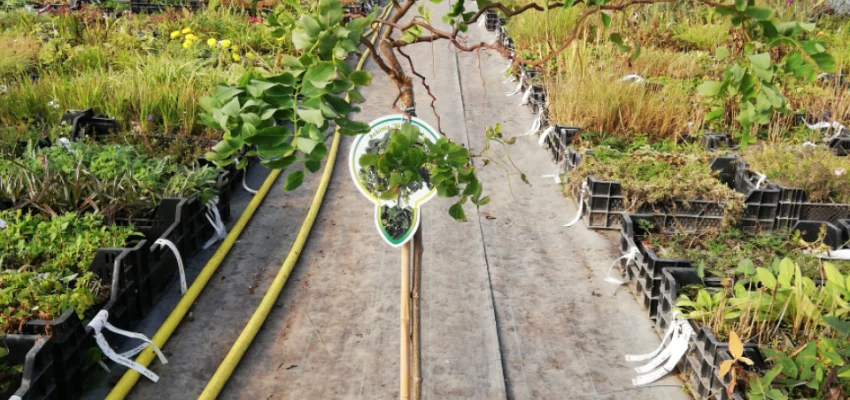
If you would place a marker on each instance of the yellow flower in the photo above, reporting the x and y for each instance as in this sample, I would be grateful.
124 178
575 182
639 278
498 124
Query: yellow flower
236 57
191 37
187 30
187 44
175 34
225 43
211 42
249 55
234 48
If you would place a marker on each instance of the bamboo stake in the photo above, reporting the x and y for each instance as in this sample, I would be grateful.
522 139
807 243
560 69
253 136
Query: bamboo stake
404 392
418 249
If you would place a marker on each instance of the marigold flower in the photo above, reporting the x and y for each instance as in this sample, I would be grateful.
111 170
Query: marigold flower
175 34
225 43
187 30
236 57
211 42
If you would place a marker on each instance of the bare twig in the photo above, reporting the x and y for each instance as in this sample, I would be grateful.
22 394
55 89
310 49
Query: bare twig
427 90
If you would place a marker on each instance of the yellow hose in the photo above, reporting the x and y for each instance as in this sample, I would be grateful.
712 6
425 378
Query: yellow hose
164 333
228 365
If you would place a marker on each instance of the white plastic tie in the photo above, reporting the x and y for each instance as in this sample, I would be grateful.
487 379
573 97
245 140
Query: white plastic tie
825 125
654 353
2 224
518 87
535 125
167 243
510 79
214 218
244 177
100 321
809 144
762 179
65 143
580 206
632 77
678 347
555 176
526 95
843 254
630 257
546 133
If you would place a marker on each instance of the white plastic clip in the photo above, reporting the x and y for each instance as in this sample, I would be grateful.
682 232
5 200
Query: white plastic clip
244 177
518 87
542 140
535 125
673 353
100 321
657 351
580 205
2 224
214 218
170 245
526 95
630 257
632 77
809 144
760 181
65 143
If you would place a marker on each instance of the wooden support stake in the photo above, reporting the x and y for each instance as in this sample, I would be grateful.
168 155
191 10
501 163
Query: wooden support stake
418 249
404 392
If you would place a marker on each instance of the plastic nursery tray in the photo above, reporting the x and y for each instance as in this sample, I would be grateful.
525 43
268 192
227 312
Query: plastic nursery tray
794 204
712 141
55 370
706 352
84 123
558 142
139 7
761 205
491 20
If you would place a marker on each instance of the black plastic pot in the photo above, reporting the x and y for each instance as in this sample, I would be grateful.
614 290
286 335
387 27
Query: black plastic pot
761 205
841 145
714 141
84 123
558 142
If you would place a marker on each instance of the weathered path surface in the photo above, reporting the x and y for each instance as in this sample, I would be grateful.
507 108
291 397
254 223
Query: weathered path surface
513 305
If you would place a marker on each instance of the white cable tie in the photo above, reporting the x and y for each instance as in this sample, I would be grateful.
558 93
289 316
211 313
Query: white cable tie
526 95
822 75
630 257
542 140
2 223
511 79
555 176
518 87
214 218
809 144
65 143
825 125
648 356
760 181
167 243
632 77
535 125
843 254
100 321
244 178
580 205
678 349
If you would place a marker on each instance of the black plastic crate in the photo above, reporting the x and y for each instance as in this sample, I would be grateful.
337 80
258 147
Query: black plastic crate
712 141
139 7
33 352
84 123
793 204
491 20
761 204
558 142
840 144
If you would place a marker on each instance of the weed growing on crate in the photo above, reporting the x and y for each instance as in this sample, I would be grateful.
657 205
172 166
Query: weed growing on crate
825 176
650 176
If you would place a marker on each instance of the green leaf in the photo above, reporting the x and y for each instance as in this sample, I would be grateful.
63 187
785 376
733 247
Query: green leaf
224 93
456 212
786 272
304 144
310 25
361 78
355 97
320 74
766 278
759 13
269 137
208 103
715 113
709 88
302 40
293 180
606 19
313 165
833 275
349 127
280 163
232 108
824 61
722 53
568 3
368 160
312 116
618 40
760 60
251 118
740 5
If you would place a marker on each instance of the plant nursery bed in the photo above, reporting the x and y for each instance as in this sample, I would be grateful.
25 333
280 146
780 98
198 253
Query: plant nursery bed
794 203
605 203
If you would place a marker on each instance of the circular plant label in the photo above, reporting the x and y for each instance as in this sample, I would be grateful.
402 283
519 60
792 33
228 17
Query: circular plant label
397 196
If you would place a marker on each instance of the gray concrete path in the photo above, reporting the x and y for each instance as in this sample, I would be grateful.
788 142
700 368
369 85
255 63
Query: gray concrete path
513 305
